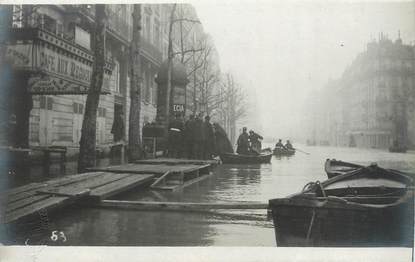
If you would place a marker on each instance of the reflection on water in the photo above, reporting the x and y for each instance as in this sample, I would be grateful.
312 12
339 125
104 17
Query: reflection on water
230 183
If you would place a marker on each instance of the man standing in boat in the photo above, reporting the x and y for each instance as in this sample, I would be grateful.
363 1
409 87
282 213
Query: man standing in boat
243 143
255 138
279 144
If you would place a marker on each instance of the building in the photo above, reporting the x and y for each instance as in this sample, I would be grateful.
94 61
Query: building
372 104
51 52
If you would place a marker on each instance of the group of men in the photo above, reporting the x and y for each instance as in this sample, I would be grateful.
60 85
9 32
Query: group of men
287 145
193 139
249 143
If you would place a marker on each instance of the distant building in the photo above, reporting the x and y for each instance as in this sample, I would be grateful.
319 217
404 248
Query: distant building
372 104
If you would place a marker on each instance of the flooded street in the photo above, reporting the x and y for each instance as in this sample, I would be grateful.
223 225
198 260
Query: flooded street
230 183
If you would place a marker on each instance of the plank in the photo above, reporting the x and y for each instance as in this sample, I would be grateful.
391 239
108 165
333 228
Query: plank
149 169
24 202
52 183
119 186
48 204
176 161
77 188
177 206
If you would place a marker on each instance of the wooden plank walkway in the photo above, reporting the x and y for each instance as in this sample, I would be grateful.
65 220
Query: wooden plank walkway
172 174
157 170
23 202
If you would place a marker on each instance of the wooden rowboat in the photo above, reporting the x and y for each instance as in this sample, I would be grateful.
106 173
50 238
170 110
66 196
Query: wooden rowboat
229 158
278 151
335 167
370 206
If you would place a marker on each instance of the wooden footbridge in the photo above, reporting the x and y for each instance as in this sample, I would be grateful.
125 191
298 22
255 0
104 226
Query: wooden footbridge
100 184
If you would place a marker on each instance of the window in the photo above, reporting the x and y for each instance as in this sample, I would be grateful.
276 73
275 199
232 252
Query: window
148 87
148 28
82 37
157 34
154 89
102 112
46 103
116 77
78 108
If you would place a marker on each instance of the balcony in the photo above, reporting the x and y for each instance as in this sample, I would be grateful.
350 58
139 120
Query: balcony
151 52
118 25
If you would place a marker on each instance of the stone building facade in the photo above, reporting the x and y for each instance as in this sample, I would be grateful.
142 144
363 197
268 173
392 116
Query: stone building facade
58 42
372 104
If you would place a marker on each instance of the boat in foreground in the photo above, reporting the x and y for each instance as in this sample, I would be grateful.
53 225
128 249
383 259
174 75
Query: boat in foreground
279 151
370 206
335 167
230 158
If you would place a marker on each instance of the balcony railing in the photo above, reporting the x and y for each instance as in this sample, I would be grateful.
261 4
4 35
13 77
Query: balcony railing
151 51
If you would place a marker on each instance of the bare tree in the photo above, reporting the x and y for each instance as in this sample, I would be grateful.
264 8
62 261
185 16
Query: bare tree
134 139
186 53
87 154
232 104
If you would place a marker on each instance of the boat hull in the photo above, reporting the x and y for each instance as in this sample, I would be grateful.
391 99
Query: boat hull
283 152
337 223
245 159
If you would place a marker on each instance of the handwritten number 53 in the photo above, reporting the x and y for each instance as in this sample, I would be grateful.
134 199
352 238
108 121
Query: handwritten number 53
56 235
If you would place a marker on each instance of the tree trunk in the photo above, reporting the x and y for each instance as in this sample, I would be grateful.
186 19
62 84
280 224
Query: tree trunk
134 137
87 154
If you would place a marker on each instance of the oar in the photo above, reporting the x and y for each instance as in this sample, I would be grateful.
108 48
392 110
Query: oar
301 151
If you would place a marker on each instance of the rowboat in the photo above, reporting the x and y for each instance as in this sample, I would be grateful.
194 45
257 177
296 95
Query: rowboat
370 206
335 167
230 158
279 151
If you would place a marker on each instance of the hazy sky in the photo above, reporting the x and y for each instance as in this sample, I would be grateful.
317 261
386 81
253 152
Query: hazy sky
281 50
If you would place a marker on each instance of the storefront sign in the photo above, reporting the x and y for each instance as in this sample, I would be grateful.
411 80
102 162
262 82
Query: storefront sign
53 72
58 64
178 108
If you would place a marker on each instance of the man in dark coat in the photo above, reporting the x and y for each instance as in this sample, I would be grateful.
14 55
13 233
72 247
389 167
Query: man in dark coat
118 128
279 144
243 143
208 139
255 140
222 142
188 137
198 137
175 137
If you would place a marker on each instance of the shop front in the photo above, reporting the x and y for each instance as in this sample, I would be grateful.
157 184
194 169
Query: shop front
46 67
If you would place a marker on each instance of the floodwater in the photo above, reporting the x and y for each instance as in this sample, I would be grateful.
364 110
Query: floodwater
229 183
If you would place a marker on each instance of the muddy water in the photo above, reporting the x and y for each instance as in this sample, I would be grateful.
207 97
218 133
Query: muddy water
230 183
